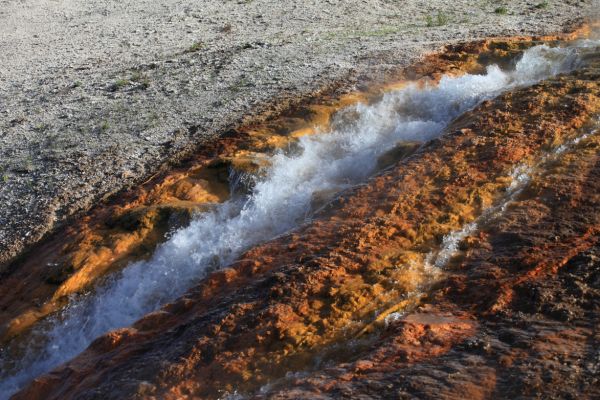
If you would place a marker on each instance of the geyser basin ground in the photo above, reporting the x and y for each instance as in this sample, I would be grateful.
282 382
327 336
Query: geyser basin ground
350 152
95 97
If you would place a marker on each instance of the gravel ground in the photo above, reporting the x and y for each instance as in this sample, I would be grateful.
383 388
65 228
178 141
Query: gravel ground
96 96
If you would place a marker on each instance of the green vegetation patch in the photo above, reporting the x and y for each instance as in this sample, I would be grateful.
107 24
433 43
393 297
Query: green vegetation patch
196 46
543 5
440 19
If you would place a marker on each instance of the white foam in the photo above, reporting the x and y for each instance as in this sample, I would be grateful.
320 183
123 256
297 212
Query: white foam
279 201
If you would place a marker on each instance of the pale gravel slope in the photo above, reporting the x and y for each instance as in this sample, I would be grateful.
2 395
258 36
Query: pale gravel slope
68 138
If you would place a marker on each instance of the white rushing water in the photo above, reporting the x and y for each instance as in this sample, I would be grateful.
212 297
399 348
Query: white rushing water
280 200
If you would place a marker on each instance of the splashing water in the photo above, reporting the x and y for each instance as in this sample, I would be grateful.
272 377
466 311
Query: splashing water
280 201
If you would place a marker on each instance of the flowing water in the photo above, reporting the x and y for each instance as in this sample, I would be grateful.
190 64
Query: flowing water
280 200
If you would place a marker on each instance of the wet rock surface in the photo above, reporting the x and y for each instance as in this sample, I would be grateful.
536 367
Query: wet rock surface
349 306
129 228
527 286
97 97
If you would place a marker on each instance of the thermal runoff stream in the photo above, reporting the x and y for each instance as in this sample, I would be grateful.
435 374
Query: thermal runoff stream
328 161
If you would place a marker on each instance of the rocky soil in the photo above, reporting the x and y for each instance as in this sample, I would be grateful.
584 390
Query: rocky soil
98 96
351 305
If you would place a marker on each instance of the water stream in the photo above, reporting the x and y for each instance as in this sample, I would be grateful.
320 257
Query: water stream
280 200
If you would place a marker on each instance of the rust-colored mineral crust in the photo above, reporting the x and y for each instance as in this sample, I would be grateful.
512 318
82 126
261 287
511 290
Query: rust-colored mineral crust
346 306
130 227
516 317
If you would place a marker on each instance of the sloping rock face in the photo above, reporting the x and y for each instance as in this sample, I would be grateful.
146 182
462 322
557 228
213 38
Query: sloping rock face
367 301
